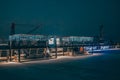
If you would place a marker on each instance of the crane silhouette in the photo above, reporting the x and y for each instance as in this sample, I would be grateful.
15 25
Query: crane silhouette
13 26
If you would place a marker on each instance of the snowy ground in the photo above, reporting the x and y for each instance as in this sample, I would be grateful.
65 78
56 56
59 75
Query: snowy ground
89 67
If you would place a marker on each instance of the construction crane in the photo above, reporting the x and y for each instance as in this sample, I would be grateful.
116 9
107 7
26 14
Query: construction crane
12 31
13 25
101 32
34 29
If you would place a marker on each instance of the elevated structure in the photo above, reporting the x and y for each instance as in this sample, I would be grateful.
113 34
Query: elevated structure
77 39
27 37
34 40
20 40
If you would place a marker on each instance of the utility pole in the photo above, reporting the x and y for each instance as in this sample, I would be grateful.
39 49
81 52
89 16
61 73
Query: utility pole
72 49
12 32
19 55
55 47
10 47
63 47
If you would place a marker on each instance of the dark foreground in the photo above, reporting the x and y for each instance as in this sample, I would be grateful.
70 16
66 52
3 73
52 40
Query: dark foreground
101 67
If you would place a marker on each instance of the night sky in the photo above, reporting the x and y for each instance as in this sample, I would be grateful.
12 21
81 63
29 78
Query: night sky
61 17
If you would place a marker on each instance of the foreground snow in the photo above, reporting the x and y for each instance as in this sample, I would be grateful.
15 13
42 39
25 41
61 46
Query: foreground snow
85 67
57 60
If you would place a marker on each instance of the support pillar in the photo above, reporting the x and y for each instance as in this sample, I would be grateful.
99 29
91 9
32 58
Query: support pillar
55 51
10 50
63 48
19 55
7 55
55 48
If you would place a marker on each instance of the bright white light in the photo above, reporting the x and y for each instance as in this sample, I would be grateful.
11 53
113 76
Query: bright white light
51 41
57 41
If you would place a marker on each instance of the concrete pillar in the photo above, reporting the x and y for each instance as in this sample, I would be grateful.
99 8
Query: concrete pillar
19 55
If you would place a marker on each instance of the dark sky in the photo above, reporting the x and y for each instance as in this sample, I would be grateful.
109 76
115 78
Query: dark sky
61 17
